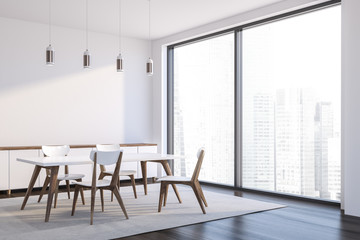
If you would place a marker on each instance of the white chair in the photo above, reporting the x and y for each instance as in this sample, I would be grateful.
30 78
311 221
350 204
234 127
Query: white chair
104 172
193 182
53 151
102 158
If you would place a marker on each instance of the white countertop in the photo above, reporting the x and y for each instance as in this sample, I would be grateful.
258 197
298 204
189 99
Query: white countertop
78 160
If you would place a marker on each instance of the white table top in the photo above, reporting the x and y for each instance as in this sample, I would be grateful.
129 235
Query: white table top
78 160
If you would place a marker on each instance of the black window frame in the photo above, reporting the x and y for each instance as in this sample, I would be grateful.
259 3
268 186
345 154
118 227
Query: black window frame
237 31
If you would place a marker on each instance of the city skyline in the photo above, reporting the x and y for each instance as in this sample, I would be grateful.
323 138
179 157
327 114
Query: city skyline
286 144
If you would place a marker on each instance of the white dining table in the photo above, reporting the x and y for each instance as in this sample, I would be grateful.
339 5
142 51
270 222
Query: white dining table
53 164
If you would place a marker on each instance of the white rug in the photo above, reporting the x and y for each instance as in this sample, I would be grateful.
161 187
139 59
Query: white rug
143 215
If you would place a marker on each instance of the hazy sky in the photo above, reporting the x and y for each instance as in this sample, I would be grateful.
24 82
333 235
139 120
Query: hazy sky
299 52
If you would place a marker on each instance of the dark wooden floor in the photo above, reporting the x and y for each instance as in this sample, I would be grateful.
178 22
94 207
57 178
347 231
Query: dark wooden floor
299 220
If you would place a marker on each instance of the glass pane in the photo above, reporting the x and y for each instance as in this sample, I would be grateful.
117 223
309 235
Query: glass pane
204 108
291 105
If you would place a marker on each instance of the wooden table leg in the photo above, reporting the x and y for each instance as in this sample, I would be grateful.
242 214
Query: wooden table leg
53 182
144 175
31 185
167 169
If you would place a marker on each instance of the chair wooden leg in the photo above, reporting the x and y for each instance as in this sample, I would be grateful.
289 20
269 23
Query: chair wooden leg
166 194
93 193
144 175
46 183
56 193
167 169
101 176
118 186
176 192
76 194
197 184
81 192
198 197
161 197
82 196
102 199
133 184
117 195
68 187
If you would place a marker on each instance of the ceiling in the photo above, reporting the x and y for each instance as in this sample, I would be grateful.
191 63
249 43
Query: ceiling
167 16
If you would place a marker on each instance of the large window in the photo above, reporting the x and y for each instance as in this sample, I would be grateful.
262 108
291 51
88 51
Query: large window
291 105
274 113
204 107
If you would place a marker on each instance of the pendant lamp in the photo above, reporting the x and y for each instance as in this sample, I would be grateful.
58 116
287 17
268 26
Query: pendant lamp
149 63
119 59
50 52
86 57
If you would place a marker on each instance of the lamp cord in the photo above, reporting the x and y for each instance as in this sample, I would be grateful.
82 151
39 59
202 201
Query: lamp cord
119 26
49 22
87 25
149 29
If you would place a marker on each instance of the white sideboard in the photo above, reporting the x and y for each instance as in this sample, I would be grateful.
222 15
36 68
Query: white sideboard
20 173
4 170
16 175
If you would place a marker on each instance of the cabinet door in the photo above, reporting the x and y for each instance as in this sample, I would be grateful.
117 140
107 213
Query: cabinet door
129 165
124 165
151 166
85 169
4 170
42 174
20 173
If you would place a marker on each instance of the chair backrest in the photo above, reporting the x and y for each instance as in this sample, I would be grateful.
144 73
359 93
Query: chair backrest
200 155
107 147
107 158
55 151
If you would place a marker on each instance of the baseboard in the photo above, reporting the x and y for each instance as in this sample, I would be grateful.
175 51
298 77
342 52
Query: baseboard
275 194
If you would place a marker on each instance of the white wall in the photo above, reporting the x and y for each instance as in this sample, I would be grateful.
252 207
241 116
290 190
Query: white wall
66 104
159 55
350 105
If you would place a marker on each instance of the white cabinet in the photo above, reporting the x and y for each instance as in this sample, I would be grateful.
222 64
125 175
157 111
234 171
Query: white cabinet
125 165
129 165
20 173
17 175
147 149
4 170
151 166
85 169
81 169
42 174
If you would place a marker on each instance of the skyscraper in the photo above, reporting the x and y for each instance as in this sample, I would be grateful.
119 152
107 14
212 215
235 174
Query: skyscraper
259 141
324 130
294 124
